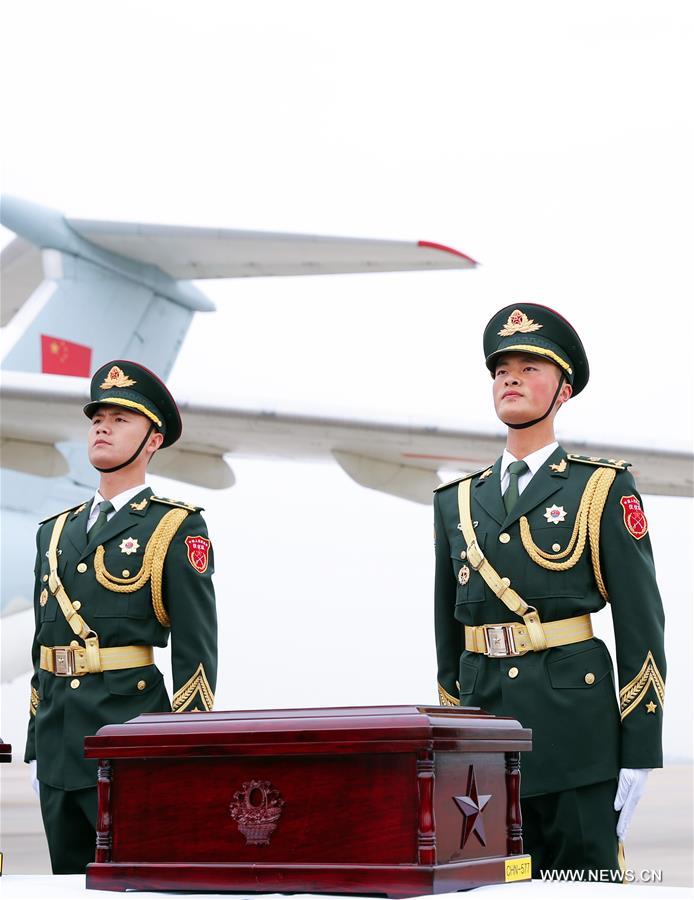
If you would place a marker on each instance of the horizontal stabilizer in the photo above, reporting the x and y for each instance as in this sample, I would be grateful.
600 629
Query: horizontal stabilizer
196 253
392 456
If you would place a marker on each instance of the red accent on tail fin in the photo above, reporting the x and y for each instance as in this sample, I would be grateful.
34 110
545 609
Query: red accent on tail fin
60 357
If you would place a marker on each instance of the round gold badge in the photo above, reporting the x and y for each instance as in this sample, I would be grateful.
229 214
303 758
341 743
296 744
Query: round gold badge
43 598
464 575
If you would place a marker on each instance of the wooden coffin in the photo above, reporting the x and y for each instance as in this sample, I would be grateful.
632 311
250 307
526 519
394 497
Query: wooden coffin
398 800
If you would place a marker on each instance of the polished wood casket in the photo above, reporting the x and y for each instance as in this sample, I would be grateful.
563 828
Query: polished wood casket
395 800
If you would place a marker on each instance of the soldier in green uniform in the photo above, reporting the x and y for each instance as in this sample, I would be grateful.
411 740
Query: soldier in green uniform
526 550
113 577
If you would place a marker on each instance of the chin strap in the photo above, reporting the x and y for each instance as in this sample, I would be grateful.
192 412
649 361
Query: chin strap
133 457
562 379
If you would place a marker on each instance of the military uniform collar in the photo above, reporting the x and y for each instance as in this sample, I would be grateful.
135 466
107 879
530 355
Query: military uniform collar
545 482
125 518
534 460
487 491
121 499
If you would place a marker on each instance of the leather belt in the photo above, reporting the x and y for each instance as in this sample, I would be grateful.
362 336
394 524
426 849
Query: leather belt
64 661
512 638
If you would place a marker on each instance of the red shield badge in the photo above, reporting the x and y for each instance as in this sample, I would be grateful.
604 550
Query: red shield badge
198 552
634 517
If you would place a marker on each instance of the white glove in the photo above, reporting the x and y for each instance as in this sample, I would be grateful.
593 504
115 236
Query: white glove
33 778
632 784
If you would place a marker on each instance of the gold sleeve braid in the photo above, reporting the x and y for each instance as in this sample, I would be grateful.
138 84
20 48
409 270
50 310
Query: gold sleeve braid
34 701
587 526
633 693
196 685
446 699
152 565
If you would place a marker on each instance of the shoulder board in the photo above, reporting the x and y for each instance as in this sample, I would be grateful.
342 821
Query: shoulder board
460 478
77 506
598 461
179 503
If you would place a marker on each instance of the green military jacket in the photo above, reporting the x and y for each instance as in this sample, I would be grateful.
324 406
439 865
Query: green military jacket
64 710
582 734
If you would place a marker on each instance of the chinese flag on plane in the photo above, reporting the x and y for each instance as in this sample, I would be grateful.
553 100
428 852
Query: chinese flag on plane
59 357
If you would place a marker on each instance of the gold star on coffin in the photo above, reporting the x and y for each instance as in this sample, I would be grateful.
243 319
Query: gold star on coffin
471 806
651 707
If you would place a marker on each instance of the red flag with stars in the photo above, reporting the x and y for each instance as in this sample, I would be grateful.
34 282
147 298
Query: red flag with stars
61 357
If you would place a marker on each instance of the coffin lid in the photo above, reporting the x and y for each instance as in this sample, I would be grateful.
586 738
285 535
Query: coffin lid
394 728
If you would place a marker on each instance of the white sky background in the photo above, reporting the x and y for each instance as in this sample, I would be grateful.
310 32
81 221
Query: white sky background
551 141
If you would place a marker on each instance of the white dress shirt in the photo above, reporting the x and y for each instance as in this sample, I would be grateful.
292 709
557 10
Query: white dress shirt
534 461
118 501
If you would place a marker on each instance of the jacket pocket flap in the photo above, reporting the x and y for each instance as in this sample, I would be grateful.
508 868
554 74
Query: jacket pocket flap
127 682
583 669
467 677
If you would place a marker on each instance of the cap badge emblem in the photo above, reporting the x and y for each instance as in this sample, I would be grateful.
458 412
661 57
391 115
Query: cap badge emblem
129 545
518 321
116 378
555 514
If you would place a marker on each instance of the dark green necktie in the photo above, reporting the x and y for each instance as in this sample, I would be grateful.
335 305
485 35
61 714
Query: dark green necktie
105 507
515 470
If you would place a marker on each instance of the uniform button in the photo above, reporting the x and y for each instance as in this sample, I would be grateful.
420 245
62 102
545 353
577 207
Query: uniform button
556 547
76 605
45 577
463 554
504 537
513 672
82 568
590 678
126 572
141 685
74 643
75 683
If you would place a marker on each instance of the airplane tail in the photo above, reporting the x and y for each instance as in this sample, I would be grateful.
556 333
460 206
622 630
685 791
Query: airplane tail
68 306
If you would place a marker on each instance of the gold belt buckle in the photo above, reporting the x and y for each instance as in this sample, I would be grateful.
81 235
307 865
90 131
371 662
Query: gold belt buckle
63 661
499 641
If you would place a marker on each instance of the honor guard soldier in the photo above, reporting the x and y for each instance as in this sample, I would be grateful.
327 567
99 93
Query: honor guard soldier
114 577
526 550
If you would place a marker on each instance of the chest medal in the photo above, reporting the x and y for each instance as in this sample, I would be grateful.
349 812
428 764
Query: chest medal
129 545
555 514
